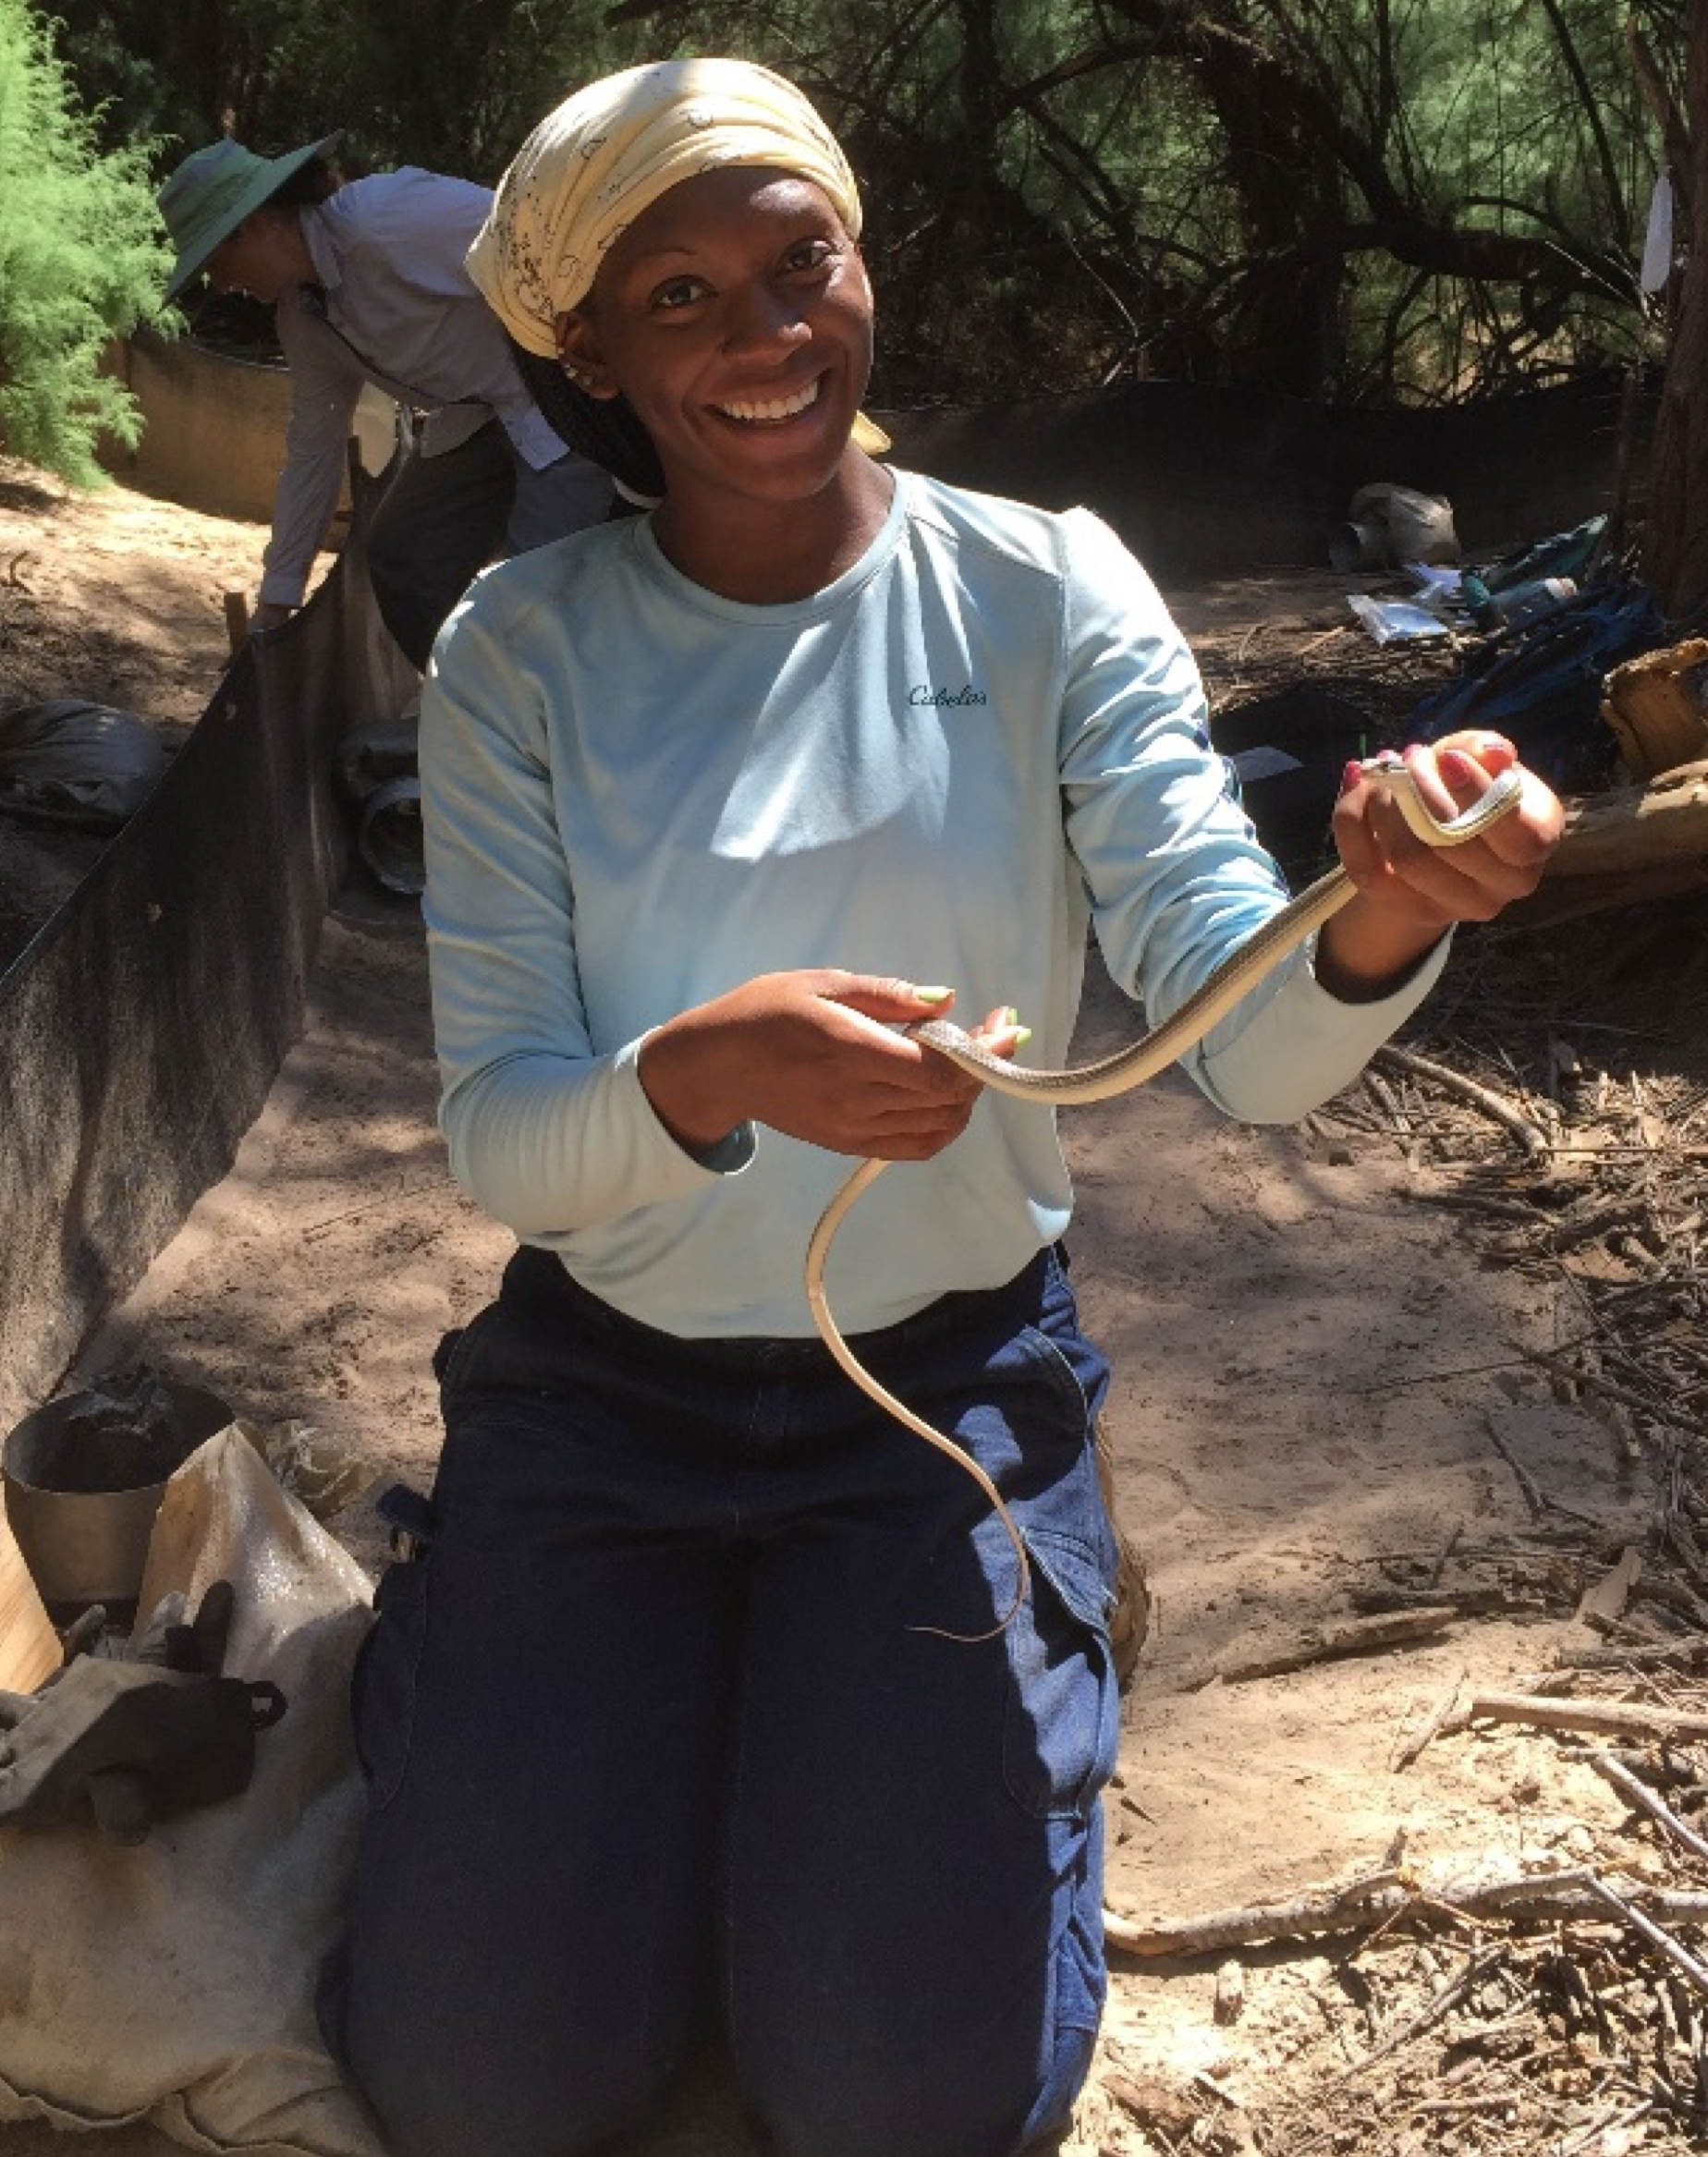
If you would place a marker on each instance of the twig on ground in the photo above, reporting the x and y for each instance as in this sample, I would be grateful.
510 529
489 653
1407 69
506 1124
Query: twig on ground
1615 1718
1655 1806
1656 1936
1439 2003
1521 1475
1333 1909
1608 2124
1359 1636
1448 1550
1389 1102
1414 1746
1494 1105
331 1221
1675 1596
1379 1900
1644 1655
1561 1360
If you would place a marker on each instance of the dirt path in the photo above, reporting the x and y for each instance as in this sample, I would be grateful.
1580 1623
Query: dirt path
1305 1409
118 598
1277 1321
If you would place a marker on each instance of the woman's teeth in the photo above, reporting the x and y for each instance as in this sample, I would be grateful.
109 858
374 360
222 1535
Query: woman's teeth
775 409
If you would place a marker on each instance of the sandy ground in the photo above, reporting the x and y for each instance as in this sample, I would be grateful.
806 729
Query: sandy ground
1315 1383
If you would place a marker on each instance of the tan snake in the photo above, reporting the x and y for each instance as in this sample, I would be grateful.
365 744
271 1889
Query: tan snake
1120 1073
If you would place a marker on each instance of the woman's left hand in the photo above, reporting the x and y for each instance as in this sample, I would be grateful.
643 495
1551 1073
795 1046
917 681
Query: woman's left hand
1410 892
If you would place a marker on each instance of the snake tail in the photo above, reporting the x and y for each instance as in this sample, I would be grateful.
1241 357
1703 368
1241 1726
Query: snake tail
862 1179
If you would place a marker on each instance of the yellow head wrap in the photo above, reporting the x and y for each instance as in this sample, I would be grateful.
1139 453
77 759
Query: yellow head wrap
590 169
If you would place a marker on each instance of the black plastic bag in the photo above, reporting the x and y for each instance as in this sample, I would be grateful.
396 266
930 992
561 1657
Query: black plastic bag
1542 685
72 763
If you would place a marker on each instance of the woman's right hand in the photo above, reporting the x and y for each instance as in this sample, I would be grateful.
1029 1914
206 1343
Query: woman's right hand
816 1054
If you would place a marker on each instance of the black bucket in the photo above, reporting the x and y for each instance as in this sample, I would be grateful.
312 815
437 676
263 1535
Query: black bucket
84 1477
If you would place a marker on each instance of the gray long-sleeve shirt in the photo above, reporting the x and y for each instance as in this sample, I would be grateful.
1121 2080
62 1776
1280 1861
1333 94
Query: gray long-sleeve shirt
391 305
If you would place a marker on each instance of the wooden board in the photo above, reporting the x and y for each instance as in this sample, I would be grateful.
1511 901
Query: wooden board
28 1645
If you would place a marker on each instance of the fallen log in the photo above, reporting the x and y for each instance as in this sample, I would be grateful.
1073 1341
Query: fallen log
1628 845
1663 820
1655 705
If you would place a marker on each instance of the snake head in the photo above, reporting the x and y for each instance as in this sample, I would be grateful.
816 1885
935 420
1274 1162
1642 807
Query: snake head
1502 795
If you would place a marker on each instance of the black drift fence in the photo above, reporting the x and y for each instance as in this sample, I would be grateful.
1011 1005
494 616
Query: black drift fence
143 1024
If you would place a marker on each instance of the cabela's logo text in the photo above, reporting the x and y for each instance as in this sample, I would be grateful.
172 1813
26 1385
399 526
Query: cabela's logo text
920 693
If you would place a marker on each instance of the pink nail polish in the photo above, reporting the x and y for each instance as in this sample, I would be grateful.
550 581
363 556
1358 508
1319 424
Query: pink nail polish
1352 775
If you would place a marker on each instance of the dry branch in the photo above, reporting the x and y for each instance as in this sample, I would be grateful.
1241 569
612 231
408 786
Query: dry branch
1656 1936
1612 1718
1440 2003
1638 1791
1359 1636
1496 1105
1570 898
1527 1483
1414 1747
1606 2124
1564 1363
1639 1655
1624 846
1333 1909
1381 1899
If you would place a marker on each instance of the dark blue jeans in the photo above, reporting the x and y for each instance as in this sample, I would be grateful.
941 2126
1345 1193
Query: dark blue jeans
655 1724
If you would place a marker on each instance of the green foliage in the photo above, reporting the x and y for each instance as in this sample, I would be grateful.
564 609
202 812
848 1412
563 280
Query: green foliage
1375 199
452 84
83 257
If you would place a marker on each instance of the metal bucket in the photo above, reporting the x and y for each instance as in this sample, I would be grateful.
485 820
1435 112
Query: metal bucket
84 1545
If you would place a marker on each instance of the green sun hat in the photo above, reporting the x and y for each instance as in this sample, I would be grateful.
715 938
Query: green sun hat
214 189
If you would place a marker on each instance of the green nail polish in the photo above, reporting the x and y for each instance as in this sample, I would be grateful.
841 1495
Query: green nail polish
1010 1017
933 995
1022 1034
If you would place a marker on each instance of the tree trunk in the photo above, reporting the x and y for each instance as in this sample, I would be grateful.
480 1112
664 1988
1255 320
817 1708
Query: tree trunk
1676 551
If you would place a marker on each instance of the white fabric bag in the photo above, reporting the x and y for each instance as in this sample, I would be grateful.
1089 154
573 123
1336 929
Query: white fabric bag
173 1983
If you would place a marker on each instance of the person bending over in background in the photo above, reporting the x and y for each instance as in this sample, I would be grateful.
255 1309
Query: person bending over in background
659 1716
368 284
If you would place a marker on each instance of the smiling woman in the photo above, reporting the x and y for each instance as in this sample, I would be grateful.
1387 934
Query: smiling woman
670 1716
735 314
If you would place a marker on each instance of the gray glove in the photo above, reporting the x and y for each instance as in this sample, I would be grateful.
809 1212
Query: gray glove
143 1734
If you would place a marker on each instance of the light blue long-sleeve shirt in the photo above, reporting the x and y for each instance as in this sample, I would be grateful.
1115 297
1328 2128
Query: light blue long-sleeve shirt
639 795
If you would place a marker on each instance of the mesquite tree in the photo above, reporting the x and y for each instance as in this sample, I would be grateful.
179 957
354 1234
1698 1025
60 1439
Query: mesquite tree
1366 199
1360 198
